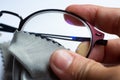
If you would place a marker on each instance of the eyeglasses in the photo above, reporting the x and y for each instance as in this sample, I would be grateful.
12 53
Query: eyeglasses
64 27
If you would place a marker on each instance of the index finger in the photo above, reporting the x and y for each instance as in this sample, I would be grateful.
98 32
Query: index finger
104 18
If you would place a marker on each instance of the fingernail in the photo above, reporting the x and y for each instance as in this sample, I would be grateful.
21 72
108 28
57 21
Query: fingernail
83 48
62 60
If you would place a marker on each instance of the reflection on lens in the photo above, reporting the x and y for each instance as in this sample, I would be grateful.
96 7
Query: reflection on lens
73 21
65 28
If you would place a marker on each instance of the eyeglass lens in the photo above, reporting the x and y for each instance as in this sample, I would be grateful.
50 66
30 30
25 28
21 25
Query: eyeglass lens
67 29
8 23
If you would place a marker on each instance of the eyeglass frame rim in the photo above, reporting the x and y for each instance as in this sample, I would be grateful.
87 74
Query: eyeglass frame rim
96 35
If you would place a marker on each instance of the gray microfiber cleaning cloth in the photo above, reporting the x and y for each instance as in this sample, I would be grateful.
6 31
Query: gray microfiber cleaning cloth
33 52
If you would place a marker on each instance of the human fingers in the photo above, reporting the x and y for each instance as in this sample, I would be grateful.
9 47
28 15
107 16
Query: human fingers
68 65
109 54
104 18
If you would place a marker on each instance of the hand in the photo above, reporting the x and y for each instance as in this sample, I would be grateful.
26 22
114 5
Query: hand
68 65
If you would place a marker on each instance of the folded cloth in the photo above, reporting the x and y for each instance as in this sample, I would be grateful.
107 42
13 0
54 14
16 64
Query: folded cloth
33 53
7 60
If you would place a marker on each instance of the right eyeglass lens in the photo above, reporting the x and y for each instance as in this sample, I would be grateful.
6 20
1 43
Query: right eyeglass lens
65 28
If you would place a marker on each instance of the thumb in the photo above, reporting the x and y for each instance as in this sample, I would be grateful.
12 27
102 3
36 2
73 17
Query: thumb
68 65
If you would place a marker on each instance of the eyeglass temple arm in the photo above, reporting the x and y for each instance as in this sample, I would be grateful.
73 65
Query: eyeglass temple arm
7 28
70 38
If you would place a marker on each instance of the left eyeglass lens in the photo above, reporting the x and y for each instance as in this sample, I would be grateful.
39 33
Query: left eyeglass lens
7 21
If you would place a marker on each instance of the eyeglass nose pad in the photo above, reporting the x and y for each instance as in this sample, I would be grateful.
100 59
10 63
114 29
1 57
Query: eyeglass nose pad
98 35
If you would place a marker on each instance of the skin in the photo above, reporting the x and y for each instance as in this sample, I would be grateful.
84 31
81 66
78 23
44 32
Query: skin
103 62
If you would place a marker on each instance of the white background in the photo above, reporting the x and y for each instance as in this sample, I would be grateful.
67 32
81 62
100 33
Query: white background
25 7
